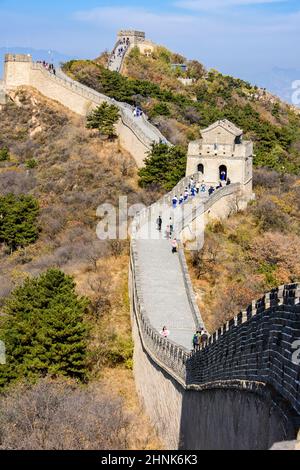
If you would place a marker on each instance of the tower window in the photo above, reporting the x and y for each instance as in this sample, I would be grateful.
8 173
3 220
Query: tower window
223 173
200 168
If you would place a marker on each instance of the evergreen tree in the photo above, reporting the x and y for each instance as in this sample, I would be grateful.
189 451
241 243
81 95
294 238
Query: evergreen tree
104 118
44 330
18 220
164 167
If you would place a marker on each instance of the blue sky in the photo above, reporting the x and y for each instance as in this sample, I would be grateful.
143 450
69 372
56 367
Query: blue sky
246 38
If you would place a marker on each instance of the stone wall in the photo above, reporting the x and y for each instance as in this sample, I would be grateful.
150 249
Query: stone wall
241 390
135 137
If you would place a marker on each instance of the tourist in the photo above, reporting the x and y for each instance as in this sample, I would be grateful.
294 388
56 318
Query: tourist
203 188
174 246
198 187
199 333
192 182
165 332
181 199
159 223
228 182
204 337
171 226
211 190
196 343
168 232
186 194
175 202
223 175
193 191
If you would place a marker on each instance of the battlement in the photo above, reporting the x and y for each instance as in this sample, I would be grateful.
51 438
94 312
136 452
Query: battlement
140 35
18 58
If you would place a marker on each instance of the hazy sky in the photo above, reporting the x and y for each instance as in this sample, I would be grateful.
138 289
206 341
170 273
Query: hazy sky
242 37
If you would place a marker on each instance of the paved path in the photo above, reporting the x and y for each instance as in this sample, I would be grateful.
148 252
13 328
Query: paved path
164 293
116 63
162 280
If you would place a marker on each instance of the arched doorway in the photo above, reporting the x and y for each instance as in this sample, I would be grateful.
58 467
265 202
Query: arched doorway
223 173
200 168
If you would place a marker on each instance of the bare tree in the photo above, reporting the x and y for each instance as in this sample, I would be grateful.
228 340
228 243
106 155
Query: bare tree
61 415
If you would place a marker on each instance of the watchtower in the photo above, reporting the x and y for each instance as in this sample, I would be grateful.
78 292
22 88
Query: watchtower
222 155
17 70
133 38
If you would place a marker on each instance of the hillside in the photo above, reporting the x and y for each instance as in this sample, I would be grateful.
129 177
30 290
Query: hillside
181 111
64 306
49 155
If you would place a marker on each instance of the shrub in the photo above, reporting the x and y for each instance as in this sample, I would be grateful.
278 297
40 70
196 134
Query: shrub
104 118
160 109
31 164
44 330
18 220
62 416
269 216
4 154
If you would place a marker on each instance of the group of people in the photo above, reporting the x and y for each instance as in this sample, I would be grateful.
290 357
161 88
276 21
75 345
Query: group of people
200 338
169 232
123 47
120 51
49 67
194 189
137 112
190 191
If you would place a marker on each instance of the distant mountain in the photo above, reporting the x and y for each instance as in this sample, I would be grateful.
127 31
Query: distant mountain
50 56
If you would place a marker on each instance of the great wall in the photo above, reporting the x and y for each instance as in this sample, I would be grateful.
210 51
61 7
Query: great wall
241 390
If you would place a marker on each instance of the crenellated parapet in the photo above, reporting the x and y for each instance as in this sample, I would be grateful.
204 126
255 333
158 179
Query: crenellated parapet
257 348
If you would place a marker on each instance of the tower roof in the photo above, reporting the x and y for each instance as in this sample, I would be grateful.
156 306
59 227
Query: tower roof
225 124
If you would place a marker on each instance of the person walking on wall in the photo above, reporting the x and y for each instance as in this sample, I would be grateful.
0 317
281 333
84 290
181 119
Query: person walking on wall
196 343
175 202
171 226
165 332
159 223
174 246
186 194
168 232
204 337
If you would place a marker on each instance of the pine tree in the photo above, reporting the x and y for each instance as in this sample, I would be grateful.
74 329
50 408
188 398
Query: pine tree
18 220
44 330
164 167
104 118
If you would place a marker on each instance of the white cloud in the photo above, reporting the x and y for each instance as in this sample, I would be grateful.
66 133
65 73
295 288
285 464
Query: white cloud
212 4
131 17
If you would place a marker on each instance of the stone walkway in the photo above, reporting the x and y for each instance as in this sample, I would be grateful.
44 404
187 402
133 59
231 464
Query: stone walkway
163 287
